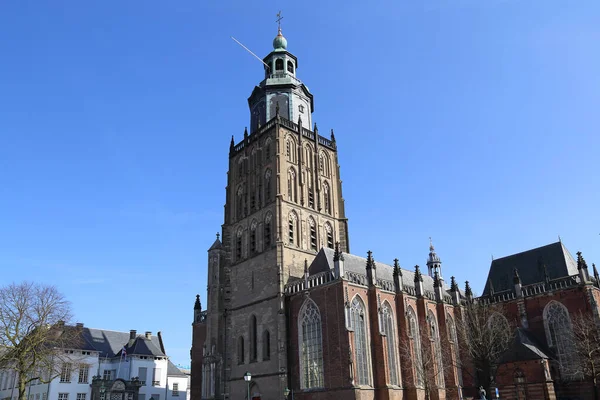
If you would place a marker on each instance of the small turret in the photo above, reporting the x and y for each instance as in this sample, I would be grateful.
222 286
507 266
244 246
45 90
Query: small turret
596 275
371 269
231 145
517 283
338 262
582 267
468 291
454 292
197 310
438 287
398 284
418 282
433 261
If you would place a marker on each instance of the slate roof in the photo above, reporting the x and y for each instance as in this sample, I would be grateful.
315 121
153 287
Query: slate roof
172 370
110 343
524 347
216 245
555 257
324 261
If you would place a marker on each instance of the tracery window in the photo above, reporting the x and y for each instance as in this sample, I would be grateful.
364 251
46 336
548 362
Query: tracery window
361 351
253 227
415 345
266 345
435 337
253 347
240 202
313 233
292 185
326 198
267 231
238 243
292 228
559 334
290 150
390 338
453 339
311 346
268 185
329 232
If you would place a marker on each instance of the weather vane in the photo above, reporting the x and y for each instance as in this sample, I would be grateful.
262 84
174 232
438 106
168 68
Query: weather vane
279 18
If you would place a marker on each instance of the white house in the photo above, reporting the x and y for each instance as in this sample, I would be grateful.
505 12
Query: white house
110 355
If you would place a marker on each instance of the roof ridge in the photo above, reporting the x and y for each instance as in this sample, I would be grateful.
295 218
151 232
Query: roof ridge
527 251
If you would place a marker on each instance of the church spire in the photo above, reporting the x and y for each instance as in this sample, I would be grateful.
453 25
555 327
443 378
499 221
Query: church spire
434 264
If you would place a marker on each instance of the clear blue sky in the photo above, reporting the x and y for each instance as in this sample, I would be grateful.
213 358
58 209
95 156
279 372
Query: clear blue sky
474 122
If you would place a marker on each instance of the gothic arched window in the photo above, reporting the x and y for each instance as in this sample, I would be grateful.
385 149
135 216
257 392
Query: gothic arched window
293 228
361 350
415 345
267 231
559 334
266 345
290 150
253 347
240 350
239 202
268 185
292 185
453 339
326 198
313 233
329 232
308 157
390 338
268 149
434 336
311 346
238 244
253 227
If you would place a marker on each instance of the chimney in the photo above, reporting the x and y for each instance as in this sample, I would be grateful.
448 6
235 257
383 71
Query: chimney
148 335
132 334
79 325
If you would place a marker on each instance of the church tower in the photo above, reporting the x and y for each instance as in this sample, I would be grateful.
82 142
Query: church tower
283 204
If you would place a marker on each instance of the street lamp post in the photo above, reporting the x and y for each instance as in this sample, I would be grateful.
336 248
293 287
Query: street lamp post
248 378
286 393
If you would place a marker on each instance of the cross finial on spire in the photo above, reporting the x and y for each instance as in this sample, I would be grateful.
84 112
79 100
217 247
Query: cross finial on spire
430 244
279 18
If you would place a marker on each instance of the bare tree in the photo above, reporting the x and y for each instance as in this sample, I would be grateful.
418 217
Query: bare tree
584 361
484 335
33 335
430 360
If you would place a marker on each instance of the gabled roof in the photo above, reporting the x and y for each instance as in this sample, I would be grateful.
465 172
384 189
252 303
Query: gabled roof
216 245
324 261
552 261
524 347
110 343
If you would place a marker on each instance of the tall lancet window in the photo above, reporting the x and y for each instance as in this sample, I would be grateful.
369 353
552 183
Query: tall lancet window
239 202
453 339
292 187
267 231
311 346
293 228
268 188
326 198
434 336
390 338
559 334
361 350
313 233
253 339
414 337
329 232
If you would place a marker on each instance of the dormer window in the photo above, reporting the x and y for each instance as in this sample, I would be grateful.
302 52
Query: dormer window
290 67
279 64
